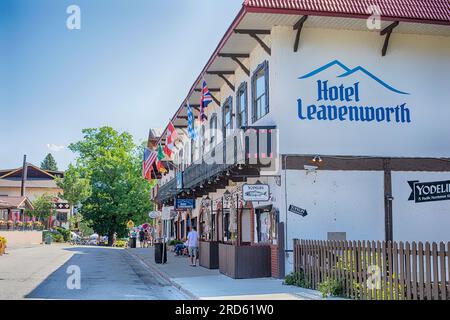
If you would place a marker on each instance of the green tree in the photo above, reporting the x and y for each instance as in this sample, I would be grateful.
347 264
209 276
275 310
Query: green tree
49 163
112 163
76 189
43 207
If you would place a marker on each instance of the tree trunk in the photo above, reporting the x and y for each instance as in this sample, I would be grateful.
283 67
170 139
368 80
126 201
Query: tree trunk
111 238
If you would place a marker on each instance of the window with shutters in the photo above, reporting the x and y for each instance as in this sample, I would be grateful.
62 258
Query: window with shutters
260 92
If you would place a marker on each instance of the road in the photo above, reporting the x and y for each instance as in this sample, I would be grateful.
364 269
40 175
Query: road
105 273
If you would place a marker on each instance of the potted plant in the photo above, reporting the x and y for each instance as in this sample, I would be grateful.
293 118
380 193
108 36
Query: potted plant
29 225
19 224
3 224
3 243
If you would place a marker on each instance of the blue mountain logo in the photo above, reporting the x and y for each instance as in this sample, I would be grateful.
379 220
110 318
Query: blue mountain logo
348 72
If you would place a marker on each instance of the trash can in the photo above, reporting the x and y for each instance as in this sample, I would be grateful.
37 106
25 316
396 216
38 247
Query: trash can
48 239
159 253
133 243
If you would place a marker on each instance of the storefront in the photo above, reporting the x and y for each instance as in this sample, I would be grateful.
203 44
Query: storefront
346 127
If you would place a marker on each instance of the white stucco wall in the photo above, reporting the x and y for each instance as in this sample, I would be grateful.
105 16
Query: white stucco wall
416 64
429 221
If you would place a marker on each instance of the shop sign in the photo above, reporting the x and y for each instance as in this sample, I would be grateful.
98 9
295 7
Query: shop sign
185 204
154 214
255 192
429 191
297 210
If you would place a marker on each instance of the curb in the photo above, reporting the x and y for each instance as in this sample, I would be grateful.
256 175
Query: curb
163 275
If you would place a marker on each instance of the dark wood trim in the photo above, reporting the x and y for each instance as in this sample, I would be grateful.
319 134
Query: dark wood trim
352 163
299 26
210 89
230 85
388 223
388 31
216 73
215 99
252 31
234 55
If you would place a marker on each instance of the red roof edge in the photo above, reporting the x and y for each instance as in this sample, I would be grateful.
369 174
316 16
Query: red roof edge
219 47
255 9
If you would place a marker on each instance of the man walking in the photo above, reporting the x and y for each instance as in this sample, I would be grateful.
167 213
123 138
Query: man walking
192 242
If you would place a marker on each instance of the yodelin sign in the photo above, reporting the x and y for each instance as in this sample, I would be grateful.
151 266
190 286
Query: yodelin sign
343 102
429 191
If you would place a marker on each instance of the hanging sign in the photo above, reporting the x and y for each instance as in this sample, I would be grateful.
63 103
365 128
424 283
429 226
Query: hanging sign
179 180
429 191
185 204
130 224
297 210
255 192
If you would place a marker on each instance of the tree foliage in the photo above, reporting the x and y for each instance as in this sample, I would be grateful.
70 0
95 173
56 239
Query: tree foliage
76 189
112 163
49 163
43 206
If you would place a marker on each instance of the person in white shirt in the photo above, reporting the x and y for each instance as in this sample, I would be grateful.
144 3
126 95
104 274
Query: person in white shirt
192 240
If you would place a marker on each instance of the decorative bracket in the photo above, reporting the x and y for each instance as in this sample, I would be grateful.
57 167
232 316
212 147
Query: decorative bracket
235 57
254 34
387 31
221 74
299 26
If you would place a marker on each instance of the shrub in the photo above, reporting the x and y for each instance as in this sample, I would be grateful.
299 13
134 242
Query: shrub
297 279
331 287
121 244
57 237
65 233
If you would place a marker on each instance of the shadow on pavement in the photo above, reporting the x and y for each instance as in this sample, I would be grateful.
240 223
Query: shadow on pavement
104 273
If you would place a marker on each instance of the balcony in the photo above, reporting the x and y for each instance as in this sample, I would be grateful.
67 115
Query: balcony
242 154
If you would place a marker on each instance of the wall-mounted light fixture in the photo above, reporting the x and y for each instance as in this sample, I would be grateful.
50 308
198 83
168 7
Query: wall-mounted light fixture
317 159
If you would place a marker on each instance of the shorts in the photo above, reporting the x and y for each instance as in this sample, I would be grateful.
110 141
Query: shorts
193 251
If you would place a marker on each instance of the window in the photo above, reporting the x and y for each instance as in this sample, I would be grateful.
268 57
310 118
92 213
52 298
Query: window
241 106
228 115
260 91
213 129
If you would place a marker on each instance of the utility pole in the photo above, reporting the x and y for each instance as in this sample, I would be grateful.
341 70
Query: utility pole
24 176
22 187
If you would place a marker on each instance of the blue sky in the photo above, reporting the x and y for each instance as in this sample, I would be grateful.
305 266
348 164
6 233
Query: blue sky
129 67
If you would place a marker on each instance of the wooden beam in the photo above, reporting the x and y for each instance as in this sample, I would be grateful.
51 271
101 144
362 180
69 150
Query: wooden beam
227 81
215 100
251 31
254 34
387 32
234 55
228 72
299 26
210 89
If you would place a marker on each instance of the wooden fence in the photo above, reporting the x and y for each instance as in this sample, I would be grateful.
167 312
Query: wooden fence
376 270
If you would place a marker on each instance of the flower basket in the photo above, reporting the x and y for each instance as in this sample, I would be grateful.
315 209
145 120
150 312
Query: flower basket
29 225
38 225
3 225
19 224
10 224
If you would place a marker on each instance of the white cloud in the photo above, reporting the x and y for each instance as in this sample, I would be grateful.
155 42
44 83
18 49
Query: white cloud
55 148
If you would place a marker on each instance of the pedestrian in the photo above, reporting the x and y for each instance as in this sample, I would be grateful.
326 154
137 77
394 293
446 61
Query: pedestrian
142 238
133 238
146 238
192 240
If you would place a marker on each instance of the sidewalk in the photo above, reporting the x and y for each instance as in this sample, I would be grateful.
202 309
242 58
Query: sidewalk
201 283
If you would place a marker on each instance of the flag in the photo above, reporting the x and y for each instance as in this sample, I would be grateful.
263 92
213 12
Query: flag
150 157
205 99
170 140
159 164
191 129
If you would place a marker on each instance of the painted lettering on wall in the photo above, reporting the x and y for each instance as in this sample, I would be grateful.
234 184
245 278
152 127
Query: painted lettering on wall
340 102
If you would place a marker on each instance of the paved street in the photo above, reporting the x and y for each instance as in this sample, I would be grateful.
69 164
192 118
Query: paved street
106 273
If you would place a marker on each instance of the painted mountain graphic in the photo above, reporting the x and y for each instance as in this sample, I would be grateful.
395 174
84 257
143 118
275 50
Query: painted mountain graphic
349 72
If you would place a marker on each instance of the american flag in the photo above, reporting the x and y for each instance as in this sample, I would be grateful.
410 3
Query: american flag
191 129
150 157
205 99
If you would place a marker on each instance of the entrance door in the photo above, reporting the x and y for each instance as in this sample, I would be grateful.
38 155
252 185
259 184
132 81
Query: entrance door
246 225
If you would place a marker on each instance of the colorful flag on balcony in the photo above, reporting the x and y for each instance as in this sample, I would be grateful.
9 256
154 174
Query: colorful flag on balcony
205 100
170 140
191 119
150 157
159 164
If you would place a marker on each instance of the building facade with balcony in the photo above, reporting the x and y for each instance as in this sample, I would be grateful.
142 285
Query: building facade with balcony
327 123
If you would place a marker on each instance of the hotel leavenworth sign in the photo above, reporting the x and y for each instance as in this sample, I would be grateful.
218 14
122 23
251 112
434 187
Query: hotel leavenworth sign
429 191
341 101
255 192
